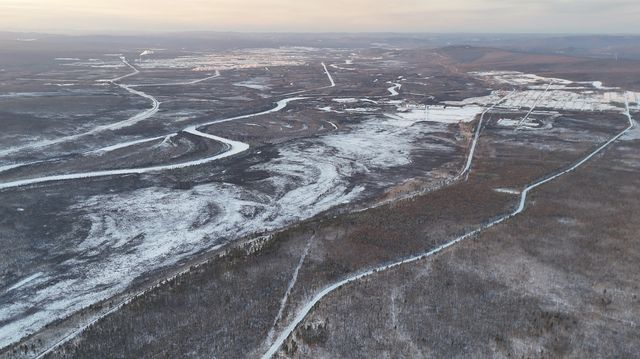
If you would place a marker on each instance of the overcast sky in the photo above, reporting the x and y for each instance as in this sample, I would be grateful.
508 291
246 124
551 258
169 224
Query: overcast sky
103 16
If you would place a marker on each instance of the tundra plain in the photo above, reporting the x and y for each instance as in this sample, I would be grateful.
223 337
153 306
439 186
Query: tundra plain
318 202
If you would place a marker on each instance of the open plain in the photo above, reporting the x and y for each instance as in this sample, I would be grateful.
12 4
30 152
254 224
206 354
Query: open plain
294 202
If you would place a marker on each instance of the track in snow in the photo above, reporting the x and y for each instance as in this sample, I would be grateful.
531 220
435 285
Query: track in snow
302 313
292 283
476 137
184 83
326 71
535 104
332 84
124 145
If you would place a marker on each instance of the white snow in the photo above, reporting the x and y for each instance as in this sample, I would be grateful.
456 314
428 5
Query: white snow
442 114
350 100
226 60
258 83
292 283
552 93
12 166
181 83
341 67
598 85
24 280
124 145
556 100
507 190
393 90
361 109
346 100
326 71
507 122
519 78
60 84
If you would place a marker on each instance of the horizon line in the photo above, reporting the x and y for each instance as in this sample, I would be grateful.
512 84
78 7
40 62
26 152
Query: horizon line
72 32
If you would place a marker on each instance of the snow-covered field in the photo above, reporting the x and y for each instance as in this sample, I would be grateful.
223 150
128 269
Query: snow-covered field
225 60
136 232
258 83
150 228
553 93
246 58
444 114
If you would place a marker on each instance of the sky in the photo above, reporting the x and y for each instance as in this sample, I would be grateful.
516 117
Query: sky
484 16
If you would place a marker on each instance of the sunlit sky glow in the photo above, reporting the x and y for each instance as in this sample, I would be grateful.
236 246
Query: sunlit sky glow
110 16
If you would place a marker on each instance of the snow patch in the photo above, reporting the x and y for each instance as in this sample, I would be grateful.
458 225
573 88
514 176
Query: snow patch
442 114
258 83
25 280
507 190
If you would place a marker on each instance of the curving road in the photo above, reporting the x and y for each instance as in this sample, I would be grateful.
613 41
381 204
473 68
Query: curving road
304 311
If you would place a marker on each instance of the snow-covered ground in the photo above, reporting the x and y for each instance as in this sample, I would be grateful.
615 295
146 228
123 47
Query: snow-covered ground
408 114
149 228
182 83
233 148
136 232
553 93
245 58
257 83
519 78
346 100
141 116
305 309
